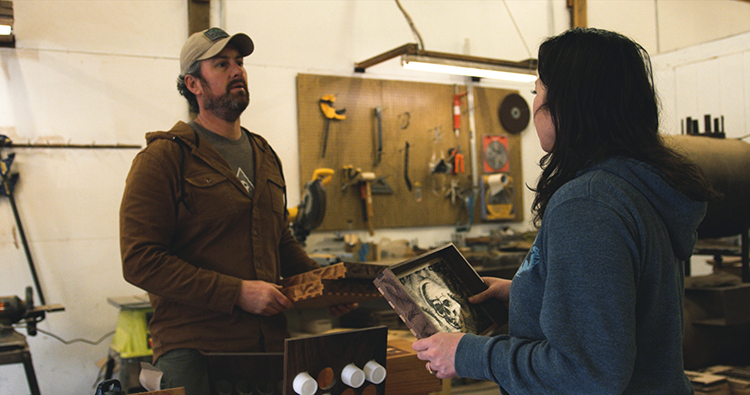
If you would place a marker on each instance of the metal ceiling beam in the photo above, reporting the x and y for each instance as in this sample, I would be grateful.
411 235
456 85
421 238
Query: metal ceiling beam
6 18
199 15
578 13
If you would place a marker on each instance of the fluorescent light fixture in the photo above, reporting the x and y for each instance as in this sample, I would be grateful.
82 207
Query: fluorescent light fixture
7 39
415 59
468 69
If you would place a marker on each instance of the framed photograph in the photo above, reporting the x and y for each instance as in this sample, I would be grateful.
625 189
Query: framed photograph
430 293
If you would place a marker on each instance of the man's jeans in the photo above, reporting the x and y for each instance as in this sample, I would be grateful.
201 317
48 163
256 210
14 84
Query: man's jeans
187 368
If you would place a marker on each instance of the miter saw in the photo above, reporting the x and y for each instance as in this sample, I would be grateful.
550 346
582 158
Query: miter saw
310 212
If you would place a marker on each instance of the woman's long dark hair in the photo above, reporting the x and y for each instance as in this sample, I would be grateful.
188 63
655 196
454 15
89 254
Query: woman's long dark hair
601 97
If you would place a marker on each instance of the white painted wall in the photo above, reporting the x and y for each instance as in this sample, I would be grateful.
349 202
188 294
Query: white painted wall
713 78
103 71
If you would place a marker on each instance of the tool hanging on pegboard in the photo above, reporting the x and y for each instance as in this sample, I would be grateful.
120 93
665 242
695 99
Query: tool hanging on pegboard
514 113
379 137
406 166
330 113
457 110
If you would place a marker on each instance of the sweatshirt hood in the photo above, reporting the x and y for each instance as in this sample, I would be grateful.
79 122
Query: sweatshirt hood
680 214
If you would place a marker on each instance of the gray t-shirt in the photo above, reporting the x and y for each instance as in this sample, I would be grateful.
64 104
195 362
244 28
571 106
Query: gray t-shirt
238 154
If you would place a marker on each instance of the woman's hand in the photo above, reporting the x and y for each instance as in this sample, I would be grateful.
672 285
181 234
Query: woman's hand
498 288
439 350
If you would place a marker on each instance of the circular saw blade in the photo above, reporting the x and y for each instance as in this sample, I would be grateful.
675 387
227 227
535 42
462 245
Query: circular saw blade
514 113
496 155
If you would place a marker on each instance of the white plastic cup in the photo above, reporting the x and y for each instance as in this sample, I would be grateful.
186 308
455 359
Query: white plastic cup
304 384
374 372
352 376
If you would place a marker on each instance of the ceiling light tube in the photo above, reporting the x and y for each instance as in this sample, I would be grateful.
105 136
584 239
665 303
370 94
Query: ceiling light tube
467 68
6 30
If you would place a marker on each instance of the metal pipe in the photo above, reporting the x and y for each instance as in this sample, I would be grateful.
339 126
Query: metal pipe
726 164
76 146
472 137
25 243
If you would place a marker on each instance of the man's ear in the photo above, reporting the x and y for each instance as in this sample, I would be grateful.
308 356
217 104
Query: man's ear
193 84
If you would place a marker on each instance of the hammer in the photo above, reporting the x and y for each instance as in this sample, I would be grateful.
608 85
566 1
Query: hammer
326 105
365 181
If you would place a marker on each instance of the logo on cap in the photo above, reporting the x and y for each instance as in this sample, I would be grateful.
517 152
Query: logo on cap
215 33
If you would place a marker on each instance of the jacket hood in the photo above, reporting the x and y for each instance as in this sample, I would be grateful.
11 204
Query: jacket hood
180 130
680 214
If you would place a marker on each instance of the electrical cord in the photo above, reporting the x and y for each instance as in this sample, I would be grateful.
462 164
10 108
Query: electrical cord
66 342
419 37
411 25
517 29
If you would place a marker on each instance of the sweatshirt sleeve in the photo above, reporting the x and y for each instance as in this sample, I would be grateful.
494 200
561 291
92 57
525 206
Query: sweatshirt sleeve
147 226
586 345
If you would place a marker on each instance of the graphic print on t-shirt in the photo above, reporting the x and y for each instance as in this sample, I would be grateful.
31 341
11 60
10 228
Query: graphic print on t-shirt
532 259
245 180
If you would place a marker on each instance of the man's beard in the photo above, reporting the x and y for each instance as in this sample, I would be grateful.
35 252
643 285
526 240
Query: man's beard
228 106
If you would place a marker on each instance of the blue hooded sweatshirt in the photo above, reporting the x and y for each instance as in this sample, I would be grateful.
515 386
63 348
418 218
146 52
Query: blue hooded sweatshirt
596 307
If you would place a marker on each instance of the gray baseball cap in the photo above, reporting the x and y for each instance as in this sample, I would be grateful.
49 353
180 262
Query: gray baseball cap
208 43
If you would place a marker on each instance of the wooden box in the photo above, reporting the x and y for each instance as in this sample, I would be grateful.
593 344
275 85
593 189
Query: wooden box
723 305
325 357
245 373
430 293
344 282
407 374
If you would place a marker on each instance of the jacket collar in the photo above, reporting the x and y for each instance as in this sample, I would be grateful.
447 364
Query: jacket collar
183 134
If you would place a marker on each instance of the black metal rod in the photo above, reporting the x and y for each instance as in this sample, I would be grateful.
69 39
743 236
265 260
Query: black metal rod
745 241
8 189
75 146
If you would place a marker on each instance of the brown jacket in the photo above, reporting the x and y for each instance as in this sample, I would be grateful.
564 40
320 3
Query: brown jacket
189 232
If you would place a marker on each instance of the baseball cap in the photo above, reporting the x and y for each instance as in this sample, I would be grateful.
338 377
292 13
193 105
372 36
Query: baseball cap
208 43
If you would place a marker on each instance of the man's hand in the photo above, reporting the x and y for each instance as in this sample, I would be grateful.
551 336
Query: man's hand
262 298
498 288
439 350
341 309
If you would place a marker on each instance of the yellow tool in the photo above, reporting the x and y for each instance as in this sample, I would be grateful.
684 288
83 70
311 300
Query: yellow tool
326 105
324 174
309 214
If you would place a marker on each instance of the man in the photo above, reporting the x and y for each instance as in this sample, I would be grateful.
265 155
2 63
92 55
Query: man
203 225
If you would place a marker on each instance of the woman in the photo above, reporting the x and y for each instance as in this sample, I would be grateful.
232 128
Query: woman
596 307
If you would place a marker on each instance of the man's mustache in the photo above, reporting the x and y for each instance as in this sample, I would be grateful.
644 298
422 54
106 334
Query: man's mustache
237 83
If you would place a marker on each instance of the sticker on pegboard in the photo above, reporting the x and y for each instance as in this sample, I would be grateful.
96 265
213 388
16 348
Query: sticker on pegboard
497 198
495 153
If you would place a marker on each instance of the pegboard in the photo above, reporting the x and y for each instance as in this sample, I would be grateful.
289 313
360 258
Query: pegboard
414 112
